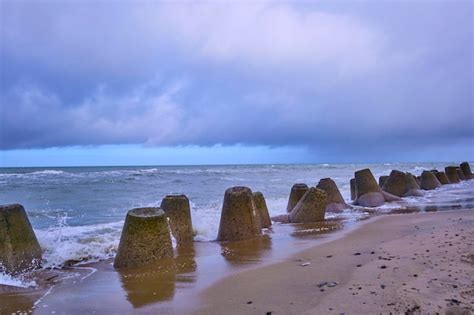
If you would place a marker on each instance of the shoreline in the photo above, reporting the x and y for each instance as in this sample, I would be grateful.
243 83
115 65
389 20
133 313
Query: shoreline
394 263
213 278
167 287
205 270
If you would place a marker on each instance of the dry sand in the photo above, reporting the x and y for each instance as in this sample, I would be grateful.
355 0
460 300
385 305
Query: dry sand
412 263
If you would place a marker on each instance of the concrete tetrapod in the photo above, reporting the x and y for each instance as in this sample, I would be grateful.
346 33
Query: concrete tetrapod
452 173
395 184
311 208
353 189
429 181
369 194
19 248
412 187
466 169
382 180
335 202
239 219
297 191
177 209
443 179
145 238
262 210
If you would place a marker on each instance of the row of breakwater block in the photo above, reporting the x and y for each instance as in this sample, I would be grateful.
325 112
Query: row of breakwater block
399 184
147 232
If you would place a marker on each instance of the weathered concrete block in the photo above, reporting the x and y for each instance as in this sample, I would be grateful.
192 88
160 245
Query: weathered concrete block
412 187
297 192
371 199
178 210
395 184
353 189
429 181
460 174
389 197
19 248
311 207
443 179
262 210
382 180
335 202
145 238
452 173
238 218
466 169
364 184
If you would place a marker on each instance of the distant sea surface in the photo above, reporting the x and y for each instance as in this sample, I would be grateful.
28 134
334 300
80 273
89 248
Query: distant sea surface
78 212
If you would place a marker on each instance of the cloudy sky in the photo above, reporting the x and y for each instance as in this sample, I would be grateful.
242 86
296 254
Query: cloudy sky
113 83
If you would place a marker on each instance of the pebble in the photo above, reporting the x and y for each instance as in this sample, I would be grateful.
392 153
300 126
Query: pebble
305 264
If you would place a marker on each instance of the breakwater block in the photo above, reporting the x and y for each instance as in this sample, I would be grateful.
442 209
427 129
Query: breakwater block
382 180
395 184
466 169
145 238
19 247
262 210
368 192
429 181
297 192
443 179
239 219
335 202
178 210
353 189
452 173
412 187
311 207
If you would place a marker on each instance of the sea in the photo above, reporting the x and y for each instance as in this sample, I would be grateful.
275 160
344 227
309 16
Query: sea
78 212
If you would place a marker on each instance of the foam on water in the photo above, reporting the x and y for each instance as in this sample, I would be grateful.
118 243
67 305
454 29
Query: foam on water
19 281
79 243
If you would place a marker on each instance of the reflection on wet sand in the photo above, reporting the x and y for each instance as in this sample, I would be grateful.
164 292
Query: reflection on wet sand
247 251
186 265
151 284
427 207
157 282
17 300
317 228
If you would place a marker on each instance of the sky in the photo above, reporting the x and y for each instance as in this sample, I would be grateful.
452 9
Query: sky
146 82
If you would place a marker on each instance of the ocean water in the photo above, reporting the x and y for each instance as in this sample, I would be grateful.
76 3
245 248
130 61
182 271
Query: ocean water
78 212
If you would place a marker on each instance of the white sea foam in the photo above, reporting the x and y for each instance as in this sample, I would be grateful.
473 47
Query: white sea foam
42 173
205 222
418 169
79 243
47 172
20 281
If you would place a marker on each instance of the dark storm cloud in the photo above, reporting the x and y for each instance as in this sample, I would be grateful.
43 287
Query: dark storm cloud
327 77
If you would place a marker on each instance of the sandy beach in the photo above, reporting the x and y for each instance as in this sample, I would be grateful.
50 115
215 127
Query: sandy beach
415 263
420 263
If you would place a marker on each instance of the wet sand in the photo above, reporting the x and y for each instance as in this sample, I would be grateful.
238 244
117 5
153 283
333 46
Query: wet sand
389 263
408 263
169 287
